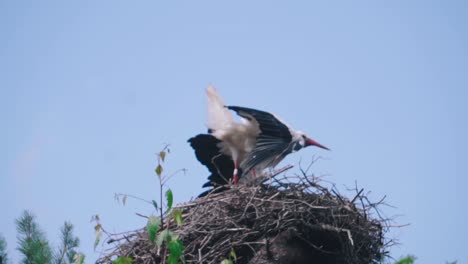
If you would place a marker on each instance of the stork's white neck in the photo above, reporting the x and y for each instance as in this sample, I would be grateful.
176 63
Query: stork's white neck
298 136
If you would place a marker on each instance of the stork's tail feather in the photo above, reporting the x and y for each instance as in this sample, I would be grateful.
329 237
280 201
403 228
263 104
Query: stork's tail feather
219 117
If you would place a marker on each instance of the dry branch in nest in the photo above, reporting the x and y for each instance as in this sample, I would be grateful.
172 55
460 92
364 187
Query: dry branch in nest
287 220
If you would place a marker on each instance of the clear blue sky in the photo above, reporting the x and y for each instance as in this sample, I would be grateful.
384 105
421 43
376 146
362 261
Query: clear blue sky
90 90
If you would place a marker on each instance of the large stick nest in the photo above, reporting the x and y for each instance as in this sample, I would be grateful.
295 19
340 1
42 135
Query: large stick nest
290 220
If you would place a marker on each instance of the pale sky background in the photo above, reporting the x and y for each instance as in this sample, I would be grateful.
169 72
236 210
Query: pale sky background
91 90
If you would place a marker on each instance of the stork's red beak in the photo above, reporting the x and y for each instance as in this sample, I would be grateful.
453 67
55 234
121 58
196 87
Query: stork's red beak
311 142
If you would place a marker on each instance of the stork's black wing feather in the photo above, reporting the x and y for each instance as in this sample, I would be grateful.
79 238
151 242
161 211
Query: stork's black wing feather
208 153
273 142
269 125
268 151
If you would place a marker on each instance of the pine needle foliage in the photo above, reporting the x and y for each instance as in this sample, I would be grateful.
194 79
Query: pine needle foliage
32 243
68 245
3 251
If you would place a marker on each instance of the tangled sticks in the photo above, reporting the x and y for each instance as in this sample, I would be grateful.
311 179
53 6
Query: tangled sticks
290 220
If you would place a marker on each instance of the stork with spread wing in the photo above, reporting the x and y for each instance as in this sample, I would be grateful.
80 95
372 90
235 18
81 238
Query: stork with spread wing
259 141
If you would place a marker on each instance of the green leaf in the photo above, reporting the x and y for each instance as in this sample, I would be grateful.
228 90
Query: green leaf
123 260
152 227
159 170
97 229
406 260
169 199
226 261
164 235
78 258
177 214
173 259
98 238
233 255
155 204
162 154
175 248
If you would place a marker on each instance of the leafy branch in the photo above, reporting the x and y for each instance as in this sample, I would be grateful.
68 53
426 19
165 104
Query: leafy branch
166 244
155 223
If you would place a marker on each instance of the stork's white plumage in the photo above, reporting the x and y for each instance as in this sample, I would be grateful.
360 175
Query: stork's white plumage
238 138
260 140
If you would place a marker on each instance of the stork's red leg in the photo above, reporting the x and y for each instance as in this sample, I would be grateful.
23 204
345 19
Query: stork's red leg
235 177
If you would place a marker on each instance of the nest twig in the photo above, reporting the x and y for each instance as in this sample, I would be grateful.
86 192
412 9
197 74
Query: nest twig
251 219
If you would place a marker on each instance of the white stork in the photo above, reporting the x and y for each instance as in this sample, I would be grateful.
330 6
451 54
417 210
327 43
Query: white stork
259 141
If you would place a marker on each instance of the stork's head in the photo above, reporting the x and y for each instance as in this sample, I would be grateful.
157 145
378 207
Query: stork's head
304 141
